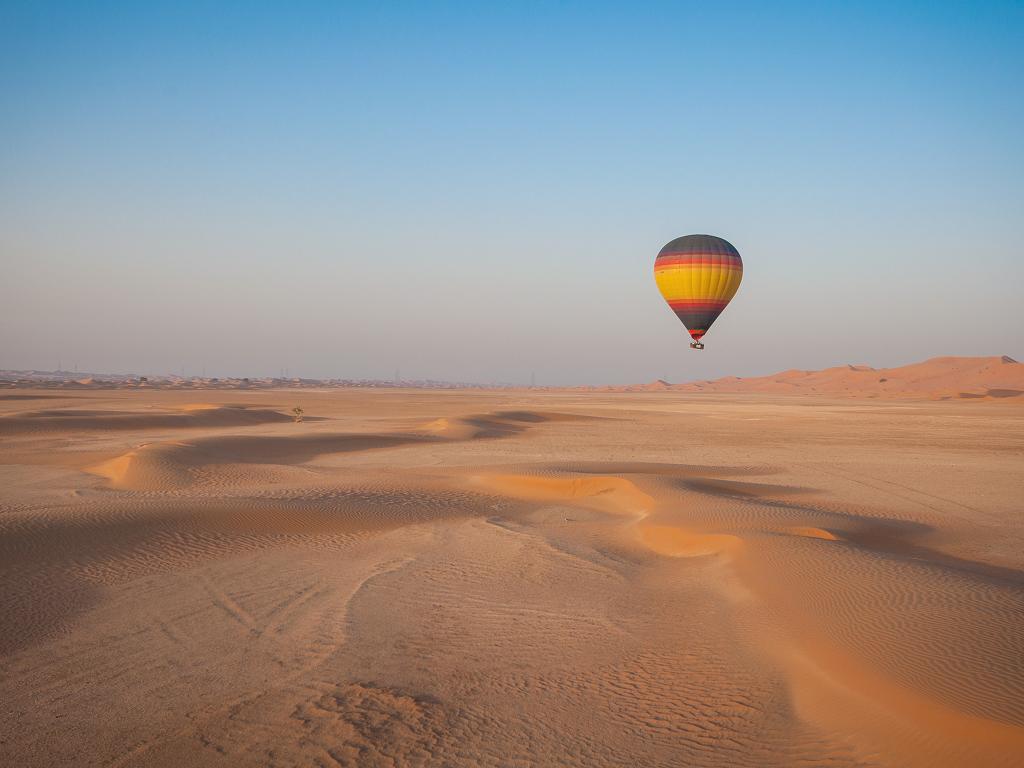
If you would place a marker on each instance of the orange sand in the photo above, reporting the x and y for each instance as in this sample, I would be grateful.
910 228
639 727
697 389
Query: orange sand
533 578
941 378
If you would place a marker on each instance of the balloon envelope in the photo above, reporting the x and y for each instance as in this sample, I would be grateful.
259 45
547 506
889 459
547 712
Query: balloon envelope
698 275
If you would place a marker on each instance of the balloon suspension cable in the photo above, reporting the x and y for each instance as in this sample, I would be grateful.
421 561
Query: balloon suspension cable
696 345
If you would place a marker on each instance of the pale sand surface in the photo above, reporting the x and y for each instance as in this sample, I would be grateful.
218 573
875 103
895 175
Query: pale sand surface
510 578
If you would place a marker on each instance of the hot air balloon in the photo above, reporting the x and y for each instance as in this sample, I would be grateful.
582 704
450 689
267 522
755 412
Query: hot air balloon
698 275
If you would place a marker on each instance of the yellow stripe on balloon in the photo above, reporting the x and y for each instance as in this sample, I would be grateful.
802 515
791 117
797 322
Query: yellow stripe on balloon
698 282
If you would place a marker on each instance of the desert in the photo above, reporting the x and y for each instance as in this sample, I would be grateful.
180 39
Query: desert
528 577
511 385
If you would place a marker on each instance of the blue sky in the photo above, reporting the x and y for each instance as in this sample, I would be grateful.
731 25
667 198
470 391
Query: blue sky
478 191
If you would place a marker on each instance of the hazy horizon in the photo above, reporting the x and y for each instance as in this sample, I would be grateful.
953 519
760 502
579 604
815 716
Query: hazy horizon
479 196
399 377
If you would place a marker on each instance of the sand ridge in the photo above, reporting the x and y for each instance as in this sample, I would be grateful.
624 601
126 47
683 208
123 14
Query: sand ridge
942 378
173 464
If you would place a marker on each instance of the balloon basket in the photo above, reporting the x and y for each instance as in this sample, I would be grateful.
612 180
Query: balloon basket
696 345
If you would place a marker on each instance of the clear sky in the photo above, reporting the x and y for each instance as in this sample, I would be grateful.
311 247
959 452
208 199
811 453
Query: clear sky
477 191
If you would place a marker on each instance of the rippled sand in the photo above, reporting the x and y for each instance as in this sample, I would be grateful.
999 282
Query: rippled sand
473 578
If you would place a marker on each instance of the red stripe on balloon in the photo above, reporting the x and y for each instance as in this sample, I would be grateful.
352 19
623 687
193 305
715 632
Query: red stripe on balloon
687 304
698 258
671 263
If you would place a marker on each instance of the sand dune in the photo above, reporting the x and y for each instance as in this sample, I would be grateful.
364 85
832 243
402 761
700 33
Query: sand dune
177 464
162 466
482 579
939 378
498 424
